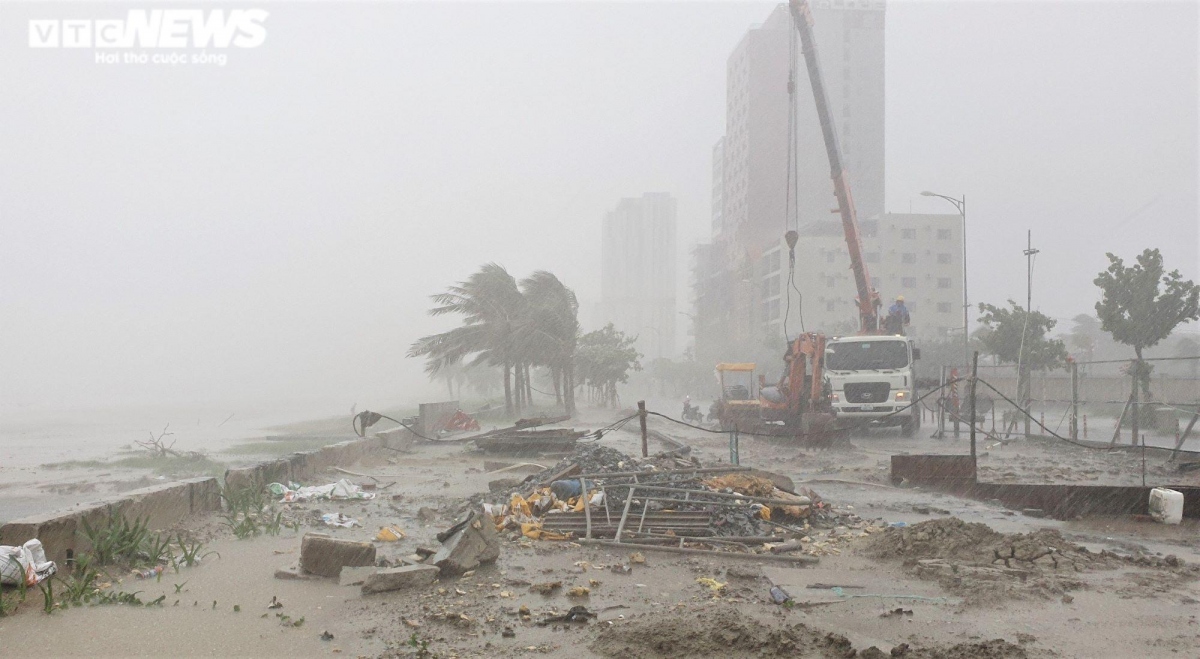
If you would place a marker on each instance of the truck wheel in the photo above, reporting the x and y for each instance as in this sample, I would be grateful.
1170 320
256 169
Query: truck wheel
908 428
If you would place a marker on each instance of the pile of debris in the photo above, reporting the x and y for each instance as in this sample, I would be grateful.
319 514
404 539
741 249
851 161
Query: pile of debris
599 494
983 565
727 632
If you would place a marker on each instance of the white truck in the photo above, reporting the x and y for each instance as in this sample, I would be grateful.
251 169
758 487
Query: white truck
872 381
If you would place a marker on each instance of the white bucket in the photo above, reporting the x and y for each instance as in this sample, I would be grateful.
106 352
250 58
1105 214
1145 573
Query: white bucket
1166 506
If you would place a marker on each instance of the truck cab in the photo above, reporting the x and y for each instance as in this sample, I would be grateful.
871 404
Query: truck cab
872 379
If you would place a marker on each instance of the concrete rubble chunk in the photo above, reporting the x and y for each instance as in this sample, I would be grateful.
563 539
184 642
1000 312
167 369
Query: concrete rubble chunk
325 555
475 543
355 576
397 578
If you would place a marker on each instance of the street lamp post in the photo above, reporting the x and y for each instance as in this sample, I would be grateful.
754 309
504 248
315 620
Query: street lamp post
961 206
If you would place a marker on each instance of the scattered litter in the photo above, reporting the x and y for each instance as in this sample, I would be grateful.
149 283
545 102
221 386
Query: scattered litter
637 558
151 573
389 534
546 588
508 633
25 564
579 591
326 636
897 612
275 603
576 614
779 595
340 490
711 584
340 520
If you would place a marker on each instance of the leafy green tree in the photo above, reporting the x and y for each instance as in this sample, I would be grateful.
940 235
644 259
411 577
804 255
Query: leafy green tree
1140 305
603 359
1084 336
1017 336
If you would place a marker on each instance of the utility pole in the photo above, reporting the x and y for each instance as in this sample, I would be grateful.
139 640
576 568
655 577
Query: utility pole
961 206
1030 252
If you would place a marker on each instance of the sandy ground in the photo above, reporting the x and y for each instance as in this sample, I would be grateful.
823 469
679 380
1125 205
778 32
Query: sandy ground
1121 609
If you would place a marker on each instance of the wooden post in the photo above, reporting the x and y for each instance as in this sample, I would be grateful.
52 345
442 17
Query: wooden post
642 421
1074 400
1187 431
971 420
941 420
1134 402
957 403
1120 421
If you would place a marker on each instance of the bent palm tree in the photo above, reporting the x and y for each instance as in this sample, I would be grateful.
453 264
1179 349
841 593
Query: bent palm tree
550 333
492 308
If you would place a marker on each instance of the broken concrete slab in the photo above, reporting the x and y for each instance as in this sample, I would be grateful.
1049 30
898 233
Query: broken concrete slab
473 544
398 578
324 555
356 576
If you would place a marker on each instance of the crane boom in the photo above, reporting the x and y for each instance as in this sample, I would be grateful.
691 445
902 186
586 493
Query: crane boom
868 298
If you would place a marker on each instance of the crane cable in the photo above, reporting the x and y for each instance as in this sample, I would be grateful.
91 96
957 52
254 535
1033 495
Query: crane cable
790 219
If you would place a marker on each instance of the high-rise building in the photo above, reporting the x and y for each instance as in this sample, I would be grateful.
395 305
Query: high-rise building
637 273
718 186
762 194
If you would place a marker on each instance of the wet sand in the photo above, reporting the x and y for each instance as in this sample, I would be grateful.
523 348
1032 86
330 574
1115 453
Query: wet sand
1131 611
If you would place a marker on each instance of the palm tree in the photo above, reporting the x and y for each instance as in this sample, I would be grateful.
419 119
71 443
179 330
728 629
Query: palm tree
550 333
493 311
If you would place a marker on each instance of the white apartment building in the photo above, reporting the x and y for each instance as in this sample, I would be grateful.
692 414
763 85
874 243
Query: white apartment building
918 256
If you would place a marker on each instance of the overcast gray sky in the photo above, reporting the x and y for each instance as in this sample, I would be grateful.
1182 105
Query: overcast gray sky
269 230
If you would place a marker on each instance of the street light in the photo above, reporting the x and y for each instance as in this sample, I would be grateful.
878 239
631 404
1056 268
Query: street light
961 206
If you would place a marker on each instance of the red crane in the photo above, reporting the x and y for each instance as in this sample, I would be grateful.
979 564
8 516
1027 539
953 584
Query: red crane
868 300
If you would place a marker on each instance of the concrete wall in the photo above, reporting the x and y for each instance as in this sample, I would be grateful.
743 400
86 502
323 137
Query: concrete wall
956 474
164 506
299 467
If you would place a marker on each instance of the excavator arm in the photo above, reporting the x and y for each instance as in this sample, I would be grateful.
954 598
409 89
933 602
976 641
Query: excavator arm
868 298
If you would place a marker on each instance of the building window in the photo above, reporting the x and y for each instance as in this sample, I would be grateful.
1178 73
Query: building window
909 282
829 305
943 307
774 309
908 234
943 282
943 258
871 257
829 281
908 258
945 234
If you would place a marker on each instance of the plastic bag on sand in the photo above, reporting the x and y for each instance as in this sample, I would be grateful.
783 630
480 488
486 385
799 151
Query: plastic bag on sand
342 489
25 563
339 520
